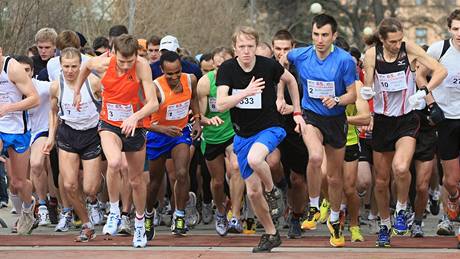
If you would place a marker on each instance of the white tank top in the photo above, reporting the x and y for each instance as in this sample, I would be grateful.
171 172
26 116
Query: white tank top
12 122
447 94
87 117
39 115
394 83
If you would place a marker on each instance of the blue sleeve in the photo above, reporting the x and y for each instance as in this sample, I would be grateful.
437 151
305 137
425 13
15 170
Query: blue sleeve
292 55
197 71
43 75
156 71
349 71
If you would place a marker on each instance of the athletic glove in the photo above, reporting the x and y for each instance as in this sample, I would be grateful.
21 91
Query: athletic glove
436 114
417 100
367 92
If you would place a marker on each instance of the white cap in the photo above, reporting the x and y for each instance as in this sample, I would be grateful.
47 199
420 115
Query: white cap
169 43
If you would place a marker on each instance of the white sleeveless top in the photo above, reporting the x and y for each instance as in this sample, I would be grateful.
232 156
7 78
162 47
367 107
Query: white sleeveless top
12 122
39 116
87 117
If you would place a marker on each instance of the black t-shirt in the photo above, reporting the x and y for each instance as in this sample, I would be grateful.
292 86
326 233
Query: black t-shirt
288 120
254 113
39 64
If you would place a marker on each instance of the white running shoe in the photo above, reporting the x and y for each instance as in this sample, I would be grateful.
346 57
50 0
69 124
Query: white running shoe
95 214
43 216
65 219
192 217
125 226
139 238
111 227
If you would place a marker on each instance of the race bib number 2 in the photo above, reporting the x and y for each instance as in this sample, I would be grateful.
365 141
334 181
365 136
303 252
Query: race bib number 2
177 111
249 102
320 89
453 81
119 112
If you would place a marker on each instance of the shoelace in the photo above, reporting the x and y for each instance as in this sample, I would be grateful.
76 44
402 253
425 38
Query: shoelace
139 234
401 218
383 233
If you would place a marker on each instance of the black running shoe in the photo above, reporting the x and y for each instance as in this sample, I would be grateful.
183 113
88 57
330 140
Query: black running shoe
267 243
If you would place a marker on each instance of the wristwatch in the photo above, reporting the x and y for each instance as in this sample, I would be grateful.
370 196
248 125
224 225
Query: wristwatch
336 100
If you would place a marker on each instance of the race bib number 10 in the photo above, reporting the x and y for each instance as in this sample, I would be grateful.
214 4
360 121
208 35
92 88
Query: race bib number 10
392 82
249 102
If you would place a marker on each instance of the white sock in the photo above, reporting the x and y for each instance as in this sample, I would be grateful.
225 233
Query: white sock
334 217
400 206
139 220
17 203
115 208
314 202
386 222
343 207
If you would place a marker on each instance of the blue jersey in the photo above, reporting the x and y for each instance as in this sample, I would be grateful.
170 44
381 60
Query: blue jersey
323 78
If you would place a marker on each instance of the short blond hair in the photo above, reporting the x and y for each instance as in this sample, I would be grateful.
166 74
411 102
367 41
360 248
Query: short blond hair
249 31
46 34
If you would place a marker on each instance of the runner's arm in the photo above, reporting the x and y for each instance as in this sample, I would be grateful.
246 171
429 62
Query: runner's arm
293 89
369 67
363 115
438 71
53 117
23 82
226 102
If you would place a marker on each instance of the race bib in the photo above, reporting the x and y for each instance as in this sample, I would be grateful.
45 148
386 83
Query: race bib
393 82
119 112
453 81
212 104
249 102
319 89
71 112
177 111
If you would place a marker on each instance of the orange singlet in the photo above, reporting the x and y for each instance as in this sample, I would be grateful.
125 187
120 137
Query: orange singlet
174 107
121 96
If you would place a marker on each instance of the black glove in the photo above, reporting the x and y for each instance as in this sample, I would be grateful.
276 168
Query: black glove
436 115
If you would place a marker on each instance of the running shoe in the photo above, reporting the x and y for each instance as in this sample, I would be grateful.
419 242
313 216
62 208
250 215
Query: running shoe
383 237
139 238
234 226
324 211
178 226
267 243
452 208
337 239
221 225
86 234
125 226
65 219
417 231
312 219
434 202
112 224
149 227
95 214
294 228
192 216
53 212
43 216
274 200
445 227
356 235
400 226
27 221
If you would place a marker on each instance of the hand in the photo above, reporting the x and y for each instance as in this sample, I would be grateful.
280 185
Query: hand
284 61
77 101
329 102
369 127
48 146
171 131
4 109
417 100
288 109
128 126
436 114
367 92
280 105
214 121
254 87
300 123
196 130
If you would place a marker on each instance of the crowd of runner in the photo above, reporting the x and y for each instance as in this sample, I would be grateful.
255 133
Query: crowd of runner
132 134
